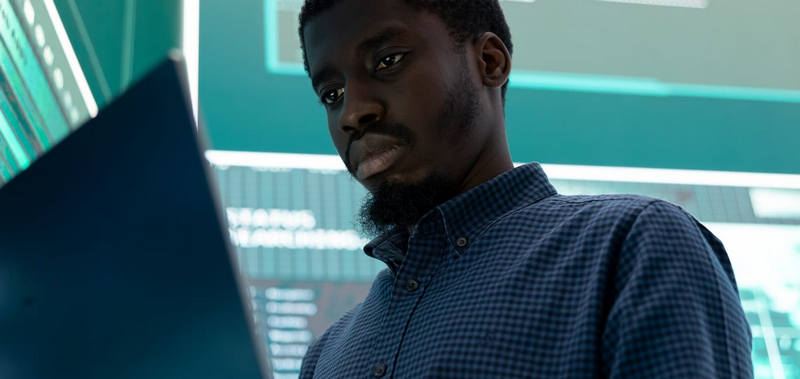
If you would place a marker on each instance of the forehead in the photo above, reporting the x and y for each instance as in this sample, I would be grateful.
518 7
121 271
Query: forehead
344 27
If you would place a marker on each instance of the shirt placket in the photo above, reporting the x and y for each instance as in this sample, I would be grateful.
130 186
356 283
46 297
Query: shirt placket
425 251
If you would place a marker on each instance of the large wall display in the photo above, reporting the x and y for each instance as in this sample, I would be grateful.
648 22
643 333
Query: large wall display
691 84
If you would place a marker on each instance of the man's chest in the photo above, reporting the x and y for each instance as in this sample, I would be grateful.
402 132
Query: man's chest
474 316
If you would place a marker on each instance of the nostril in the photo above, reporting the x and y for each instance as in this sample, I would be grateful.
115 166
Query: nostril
368 119
348 129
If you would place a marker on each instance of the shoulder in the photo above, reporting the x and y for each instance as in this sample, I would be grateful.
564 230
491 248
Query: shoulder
673 296
606 205
661 226
594 206
622 233
585 213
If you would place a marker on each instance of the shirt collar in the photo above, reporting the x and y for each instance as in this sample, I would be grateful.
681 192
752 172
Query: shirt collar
390 247
467 214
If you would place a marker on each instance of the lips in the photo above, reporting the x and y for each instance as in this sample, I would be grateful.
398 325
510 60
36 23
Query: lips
377 162
373 154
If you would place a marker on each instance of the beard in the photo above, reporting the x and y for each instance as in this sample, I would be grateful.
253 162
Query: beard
400 205
393 205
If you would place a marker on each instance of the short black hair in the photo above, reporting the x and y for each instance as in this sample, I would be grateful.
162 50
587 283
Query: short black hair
465 19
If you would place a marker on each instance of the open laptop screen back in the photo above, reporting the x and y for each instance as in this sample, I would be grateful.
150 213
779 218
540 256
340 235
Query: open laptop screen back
113 259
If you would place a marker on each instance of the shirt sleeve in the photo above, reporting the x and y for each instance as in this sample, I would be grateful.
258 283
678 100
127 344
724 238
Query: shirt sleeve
675 310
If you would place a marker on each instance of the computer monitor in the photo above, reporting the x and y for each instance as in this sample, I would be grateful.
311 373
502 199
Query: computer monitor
44 94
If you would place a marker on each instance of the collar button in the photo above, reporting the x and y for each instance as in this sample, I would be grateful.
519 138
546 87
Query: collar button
462 242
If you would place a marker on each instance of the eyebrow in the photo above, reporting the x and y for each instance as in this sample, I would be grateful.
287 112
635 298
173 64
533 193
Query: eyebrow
370 43
381 37
321 75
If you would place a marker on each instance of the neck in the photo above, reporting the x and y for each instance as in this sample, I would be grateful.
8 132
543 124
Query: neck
493 160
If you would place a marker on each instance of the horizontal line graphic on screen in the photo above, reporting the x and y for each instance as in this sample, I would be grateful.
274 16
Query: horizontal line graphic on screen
701 4
557 81
554 171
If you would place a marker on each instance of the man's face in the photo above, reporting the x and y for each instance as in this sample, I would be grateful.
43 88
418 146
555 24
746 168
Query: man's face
400 97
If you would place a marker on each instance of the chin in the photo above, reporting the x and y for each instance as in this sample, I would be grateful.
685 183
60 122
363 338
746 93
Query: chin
409 178
390 179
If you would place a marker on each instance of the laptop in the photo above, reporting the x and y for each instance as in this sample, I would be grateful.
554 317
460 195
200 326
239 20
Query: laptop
115 261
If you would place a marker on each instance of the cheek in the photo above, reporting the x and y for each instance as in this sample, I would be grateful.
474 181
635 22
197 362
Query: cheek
417 103
425 92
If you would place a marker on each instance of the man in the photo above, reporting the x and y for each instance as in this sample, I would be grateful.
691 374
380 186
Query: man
490 272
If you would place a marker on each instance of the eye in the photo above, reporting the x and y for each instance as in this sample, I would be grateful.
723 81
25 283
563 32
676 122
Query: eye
389 61
331 97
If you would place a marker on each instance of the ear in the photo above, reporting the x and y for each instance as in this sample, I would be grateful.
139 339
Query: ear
494 61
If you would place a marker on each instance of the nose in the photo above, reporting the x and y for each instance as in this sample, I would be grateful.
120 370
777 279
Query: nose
360 109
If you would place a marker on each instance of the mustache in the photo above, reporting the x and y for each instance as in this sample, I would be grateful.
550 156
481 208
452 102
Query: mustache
401 132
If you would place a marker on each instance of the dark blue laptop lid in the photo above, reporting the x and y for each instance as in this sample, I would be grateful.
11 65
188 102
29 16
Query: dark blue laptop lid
114 258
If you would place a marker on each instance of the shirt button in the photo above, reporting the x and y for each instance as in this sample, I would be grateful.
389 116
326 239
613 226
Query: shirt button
412 285
461 241
379 370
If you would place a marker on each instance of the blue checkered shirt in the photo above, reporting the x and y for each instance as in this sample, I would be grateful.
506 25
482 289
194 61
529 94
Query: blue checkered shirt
512 280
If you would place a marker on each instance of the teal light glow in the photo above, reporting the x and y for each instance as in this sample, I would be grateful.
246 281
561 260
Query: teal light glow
274 65
13 144
556 81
